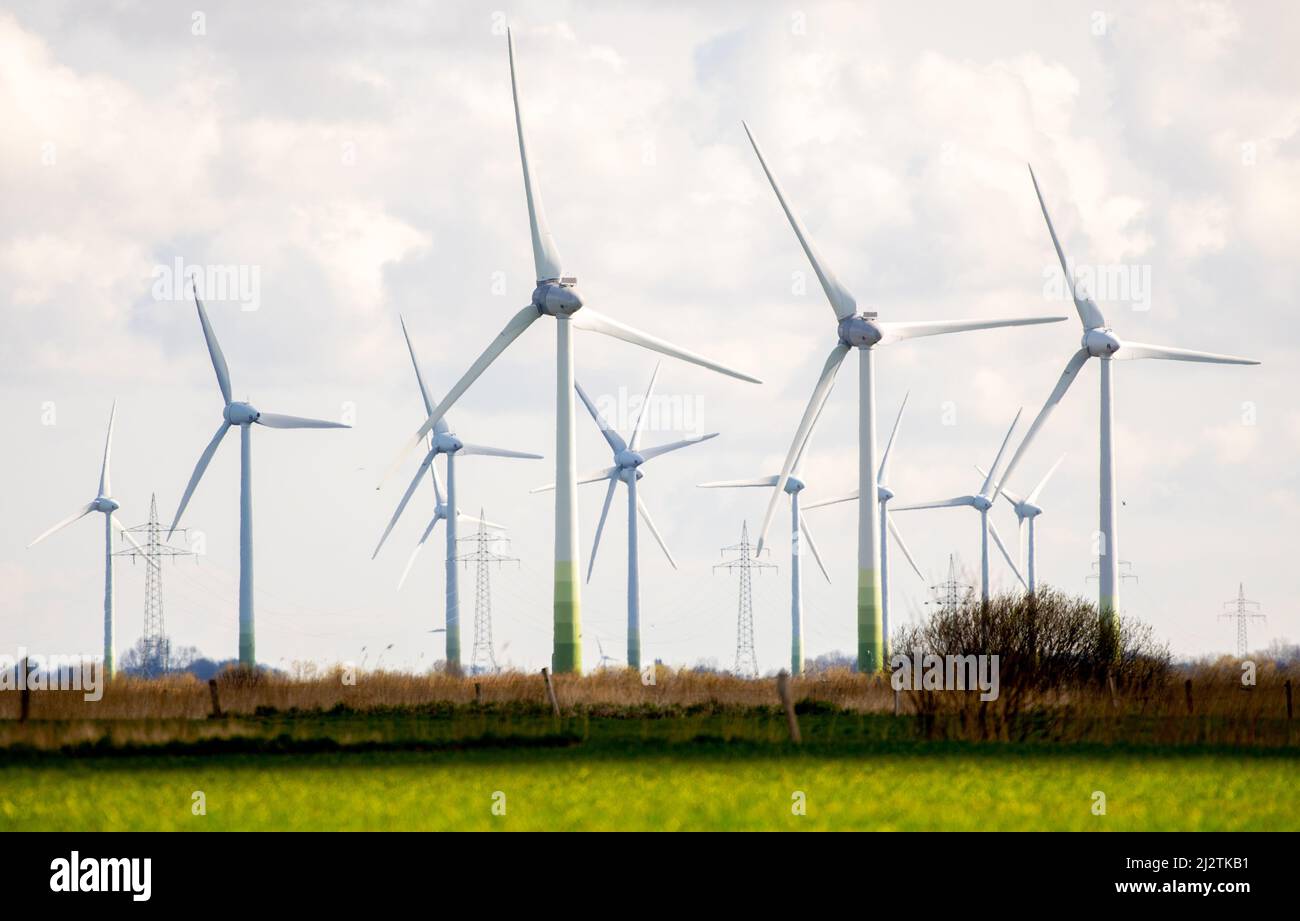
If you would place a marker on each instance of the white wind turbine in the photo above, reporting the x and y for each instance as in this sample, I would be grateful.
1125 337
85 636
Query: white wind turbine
887 526
866 333
442 440
244 415
107 505
982 501
629 457
1099 341
794 485
1027 510
556 296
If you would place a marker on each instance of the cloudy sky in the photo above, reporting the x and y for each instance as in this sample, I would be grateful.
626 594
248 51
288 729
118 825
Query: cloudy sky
359 162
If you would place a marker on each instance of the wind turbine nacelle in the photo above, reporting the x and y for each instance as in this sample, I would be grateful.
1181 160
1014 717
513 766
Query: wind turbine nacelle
860 331
1100 343
628 459
448 444
981 503
883 493
557 298
793 485
240 413
1025 510
106 505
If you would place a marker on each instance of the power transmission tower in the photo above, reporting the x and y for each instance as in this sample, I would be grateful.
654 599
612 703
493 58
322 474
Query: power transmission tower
1242 611
483 659
156 645
745 562
951 594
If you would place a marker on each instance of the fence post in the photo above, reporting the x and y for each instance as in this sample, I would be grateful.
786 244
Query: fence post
783 690
1290 709
216 700
25 695
478 694
1114 694
550 691
1187 693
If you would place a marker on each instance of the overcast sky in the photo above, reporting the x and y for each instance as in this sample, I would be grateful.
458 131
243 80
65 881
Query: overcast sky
360 161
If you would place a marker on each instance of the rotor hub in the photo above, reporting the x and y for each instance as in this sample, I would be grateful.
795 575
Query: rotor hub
1100 343
240 413
860 331
628 459
106 504
982 503
557 297
883 493
448 443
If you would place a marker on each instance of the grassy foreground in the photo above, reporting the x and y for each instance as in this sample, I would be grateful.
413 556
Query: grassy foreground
617 784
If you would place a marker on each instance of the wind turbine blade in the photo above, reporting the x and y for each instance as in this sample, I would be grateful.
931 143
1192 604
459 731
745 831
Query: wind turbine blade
883 470
659 450
730 484
197 475
406 497
437 480
600 528
518 323
279 421
997 539
937 503
1133 350
850 497
214 350
75 516
842 301
461 516
988 479
1006 493
898 539
1034 493
810 414
896 332
1089 313
612 438
485 451
1077 361
645 406
546 255
130 539
419 375
649 522
410 561
105 479
591 476
590 320
812 545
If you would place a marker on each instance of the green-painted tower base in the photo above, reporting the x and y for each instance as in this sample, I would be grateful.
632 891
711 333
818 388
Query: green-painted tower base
871 640
566 658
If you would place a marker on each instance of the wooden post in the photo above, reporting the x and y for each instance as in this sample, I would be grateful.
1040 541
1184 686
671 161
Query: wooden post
550 691
1114 694
478 694
1187 692
783 690
1290 709
25 695
216 701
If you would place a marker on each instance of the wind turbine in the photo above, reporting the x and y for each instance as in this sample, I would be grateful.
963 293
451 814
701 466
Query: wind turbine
629 457
1027 510
864 332
1099 341
887 526
244 415
556 296
982 501
794 485
107 505
442 440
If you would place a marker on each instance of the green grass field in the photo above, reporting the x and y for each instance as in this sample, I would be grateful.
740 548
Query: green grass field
618 784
